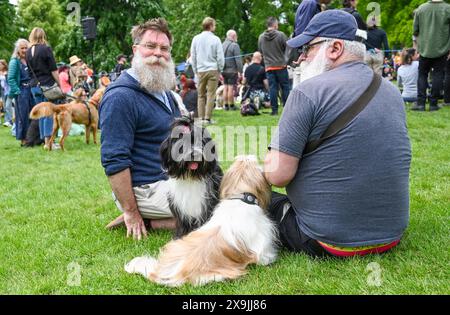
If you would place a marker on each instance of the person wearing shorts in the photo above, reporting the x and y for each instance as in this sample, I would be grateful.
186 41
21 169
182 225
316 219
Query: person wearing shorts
135 118
232 70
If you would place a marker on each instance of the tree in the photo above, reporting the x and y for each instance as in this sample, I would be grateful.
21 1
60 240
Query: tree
114 21
10 31
396 19
46 14
246 17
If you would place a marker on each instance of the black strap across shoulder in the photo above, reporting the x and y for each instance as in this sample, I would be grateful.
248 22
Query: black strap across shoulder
347 115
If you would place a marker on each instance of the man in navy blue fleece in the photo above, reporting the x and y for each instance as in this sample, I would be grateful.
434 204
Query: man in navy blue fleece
305 12
135 117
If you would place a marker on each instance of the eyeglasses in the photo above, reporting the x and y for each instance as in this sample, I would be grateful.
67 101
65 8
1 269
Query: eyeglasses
306 48
153 46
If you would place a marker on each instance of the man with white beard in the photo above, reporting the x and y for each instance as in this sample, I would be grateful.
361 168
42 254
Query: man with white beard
350 195
135 117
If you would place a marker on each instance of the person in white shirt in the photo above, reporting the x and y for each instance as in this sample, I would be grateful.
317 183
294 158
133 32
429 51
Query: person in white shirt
207 62
408 74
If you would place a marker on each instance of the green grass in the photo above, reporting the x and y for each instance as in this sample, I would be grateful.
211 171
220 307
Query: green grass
54 206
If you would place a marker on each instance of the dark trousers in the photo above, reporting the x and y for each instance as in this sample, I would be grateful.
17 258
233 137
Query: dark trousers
447 83
277 79
24 104
291 236
437 77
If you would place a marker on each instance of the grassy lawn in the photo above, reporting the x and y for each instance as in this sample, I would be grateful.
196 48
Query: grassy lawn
54 206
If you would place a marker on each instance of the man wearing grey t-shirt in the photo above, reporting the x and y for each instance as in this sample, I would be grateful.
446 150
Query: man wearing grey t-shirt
350 196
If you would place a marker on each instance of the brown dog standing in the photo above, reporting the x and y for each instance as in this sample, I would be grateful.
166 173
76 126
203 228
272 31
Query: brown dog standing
85 113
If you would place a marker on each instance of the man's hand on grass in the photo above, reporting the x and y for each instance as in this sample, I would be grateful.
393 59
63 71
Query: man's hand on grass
135 225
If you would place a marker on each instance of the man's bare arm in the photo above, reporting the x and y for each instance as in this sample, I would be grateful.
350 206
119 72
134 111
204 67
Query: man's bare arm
123 190
280 168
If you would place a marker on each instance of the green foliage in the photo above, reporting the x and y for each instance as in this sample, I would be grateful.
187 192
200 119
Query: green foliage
9 29
247 17
114 21
54 206
396 19
46 14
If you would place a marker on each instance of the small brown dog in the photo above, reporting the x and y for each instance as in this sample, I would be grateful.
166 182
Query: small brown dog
77 111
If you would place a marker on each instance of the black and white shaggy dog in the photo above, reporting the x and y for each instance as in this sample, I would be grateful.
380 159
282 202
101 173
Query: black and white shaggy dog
190 159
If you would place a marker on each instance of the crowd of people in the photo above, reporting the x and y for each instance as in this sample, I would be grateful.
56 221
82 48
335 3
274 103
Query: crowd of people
32 70
215 77
138 109
343 198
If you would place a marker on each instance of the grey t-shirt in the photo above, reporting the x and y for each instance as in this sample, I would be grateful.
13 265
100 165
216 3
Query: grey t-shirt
408 76
354 189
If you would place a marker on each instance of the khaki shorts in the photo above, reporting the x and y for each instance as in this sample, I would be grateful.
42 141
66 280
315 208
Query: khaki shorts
151 200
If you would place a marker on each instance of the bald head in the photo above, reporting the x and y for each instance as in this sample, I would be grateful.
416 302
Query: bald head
257 57
231 35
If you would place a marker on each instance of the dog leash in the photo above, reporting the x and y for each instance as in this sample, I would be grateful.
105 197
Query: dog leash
85 104
89 110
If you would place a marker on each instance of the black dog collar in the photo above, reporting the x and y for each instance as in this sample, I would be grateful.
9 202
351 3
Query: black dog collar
247 198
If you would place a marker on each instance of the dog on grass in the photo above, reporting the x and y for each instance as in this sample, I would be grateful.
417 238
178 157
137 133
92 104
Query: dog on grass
238 234
189 157
220 97
77 111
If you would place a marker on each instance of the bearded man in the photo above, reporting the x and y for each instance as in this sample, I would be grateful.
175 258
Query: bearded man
135 117
350 196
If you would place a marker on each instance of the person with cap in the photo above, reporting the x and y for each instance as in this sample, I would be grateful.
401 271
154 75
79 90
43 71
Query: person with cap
76 73
272 44
348 196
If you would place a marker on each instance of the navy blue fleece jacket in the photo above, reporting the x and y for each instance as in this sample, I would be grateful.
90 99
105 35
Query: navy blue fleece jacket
134 123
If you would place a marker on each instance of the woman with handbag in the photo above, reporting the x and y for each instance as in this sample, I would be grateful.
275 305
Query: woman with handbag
45 84
20 90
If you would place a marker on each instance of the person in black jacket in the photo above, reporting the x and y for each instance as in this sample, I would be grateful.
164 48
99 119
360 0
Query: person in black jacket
377 38
350 7
120 66
43 72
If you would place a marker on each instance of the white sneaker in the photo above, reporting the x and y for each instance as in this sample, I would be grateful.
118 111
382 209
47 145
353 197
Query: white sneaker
7 124
56 146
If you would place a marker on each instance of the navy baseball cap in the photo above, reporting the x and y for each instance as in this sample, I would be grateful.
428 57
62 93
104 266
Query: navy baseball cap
332 24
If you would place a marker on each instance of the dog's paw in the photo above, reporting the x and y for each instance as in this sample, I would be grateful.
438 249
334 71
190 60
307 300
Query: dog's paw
141 265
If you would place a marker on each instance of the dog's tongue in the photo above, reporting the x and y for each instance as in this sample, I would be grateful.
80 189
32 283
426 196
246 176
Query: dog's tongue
193 166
